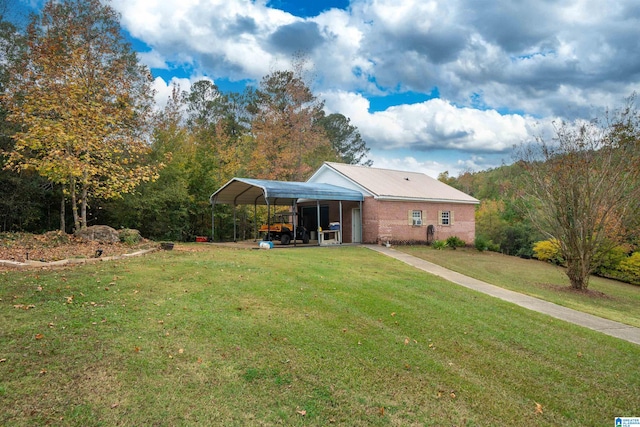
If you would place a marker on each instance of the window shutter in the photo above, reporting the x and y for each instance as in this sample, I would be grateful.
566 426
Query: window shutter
422 218
450 217
410 217
439 217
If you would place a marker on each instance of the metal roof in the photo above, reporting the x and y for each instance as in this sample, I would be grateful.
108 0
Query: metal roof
387 184
245 191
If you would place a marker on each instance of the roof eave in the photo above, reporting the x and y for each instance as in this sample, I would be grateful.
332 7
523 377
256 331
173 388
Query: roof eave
429 200
362 188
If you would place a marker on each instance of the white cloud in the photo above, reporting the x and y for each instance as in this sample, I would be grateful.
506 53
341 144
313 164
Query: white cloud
434 124
409 163
228 38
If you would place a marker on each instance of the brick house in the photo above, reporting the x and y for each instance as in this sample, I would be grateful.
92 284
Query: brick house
371 205
398 206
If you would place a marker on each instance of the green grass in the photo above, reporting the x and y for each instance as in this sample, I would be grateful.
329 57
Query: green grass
316 336
606 298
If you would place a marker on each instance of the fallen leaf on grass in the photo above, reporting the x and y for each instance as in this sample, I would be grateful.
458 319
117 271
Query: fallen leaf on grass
181 351
538 408
393 314
70 299
115 405
382 411
24 307
302 412
406 341
39 336
3 360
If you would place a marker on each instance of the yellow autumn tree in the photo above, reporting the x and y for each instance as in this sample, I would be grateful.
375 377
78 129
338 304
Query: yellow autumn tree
83 104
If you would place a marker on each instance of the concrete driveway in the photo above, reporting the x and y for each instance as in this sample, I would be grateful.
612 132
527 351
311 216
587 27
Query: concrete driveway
609 327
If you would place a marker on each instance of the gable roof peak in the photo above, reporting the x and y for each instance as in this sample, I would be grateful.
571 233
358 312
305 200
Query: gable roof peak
393 184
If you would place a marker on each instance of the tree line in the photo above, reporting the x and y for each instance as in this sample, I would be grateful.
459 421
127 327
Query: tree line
81 130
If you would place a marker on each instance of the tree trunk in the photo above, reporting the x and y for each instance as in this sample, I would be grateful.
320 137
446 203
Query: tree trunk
63 212
74 206
83 209
578 271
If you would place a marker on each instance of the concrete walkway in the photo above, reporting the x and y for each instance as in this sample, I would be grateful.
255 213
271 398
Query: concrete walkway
609 327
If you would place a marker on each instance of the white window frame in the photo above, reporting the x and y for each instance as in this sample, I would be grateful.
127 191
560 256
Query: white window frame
417 220
445 218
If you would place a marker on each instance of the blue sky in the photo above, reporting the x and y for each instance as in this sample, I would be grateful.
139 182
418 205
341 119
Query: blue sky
432 85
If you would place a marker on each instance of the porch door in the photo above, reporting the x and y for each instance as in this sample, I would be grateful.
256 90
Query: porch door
356 226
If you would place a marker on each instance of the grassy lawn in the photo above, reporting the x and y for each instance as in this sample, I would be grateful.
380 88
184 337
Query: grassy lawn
315 336
607 298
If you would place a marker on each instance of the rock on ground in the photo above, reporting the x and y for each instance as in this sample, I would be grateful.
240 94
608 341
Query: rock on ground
99 233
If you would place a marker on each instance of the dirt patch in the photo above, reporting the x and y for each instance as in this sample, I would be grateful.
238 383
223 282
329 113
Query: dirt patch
569 290
56 246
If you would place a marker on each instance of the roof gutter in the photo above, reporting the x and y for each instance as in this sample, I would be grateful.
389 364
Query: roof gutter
417 199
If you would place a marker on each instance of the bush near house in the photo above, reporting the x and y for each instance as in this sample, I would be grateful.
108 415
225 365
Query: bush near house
455 242
439 244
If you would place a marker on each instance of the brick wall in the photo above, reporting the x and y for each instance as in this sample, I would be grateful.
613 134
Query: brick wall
389 221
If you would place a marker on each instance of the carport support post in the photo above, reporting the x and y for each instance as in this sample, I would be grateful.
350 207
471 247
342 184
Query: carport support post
340 221
255 221
234 225
213 208
361 227
268 237
318 226
294 213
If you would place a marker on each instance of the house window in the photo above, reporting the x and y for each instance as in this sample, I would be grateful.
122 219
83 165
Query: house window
445 217
416 217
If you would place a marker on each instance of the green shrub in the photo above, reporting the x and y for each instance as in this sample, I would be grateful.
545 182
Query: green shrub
610 261
439 244
129 236
481 244
525 252
455 242
548 250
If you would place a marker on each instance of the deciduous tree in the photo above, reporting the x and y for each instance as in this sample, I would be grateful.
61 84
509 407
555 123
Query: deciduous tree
290 142
83 103
582 186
